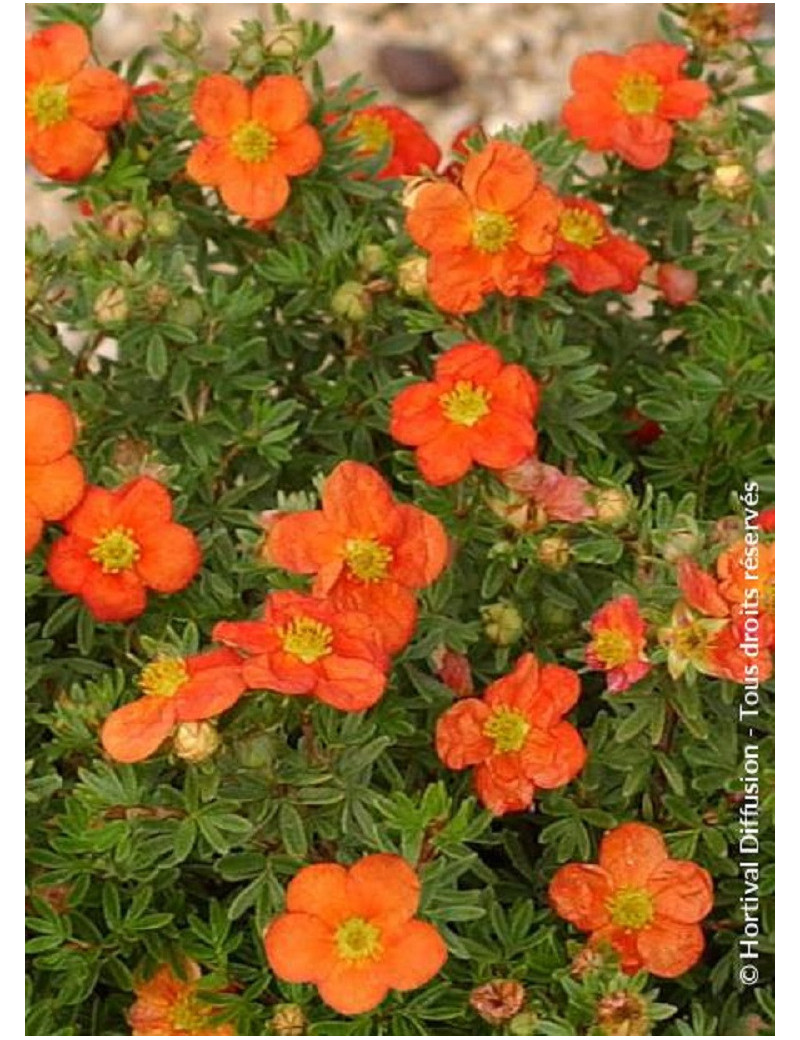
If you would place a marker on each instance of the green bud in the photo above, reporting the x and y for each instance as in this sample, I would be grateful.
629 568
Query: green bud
371 258
111 305
502 623
351 301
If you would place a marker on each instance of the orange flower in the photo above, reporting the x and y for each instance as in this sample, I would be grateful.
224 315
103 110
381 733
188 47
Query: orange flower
677 284
68 108
627 103
493 232
54 479
353 934
515 735
618 643
255 140
308 646
368 553
594 258
168 1006
640 902
175 690
746 574
476 410
119 544
460 145
411 149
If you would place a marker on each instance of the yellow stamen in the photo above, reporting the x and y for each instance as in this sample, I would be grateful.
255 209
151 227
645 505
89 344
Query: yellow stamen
631 908
614 648
115 550
48 104
358 940
373 133
580 228
492 232
367 559
639 93
252 142
507 728
306 638
163 677
189 1015
466 403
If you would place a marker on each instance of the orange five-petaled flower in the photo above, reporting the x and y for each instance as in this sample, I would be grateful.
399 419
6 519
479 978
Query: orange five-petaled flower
515 735
476 410
54 480
411 149
627 103
118 545
494 232
255 140
643 904
618 643
594 258
353 934
367 552
68 108
308 646
168 1006
175 690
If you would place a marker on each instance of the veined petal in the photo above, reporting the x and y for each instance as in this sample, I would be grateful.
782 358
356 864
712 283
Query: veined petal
220 104
134 731
281 103
500 178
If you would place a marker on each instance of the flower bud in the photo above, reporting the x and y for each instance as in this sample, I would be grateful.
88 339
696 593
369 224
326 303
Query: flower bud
284 41
256 751
195 741
187 311
351 301
122 222
731 181
680 544
497 1001
163 223
371 258
554 553
185 33
612 506
502 623
585 962
157 298
412 276
677 284
646 430
288 1020
623 1014
111 305
524 1024
454 671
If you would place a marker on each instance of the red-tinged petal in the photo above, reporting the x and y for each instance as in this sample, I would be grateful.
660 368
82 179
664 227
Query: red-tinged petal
631 853
683 891
258 191
134 731
383 887
517 390
357 501
579 892
596 71
95 514
56 487
501 788
49 429
623 941
279 672
392 608
69 565
297 151
417 414
281 103
558 756
142 503
220 104
354 990
591 118
460 737
502 440
663 60
354 635
469 362
669 949
516 273
642 141
517 689
441 218
700 590
98 97
114 597
252 637
67 151
55 54
414 957
628 258
209 693
536 223
588 269
210 161
685 99
170 558
446 457
349 684
322 891
300 948
557 693
221 657
500 178
303 542
458 281
421 553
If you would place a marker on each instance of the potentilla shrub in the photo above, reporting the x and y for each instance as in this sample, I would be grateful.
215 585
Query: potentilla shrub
400 546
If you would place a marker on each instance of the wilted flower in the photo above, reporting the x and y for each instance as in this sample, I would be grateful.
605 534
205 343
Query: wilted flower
497 1001
623 1013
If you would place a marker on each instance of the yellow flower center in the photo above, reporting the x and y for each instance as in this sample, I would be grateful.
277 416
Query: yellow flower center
367 559
373 133
115 550
639 93
614 648
358 940
163 677
691 639
466 403
252 142
631 908
507 728
48 104
580 228
306 638
189 1015
492 232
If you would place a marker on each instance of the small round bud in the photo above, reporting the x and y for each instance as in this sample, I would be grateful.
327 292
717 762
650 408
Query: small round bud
371 258
524 1024
497 1001
554 553
351 301
677 284
157 298
731 181
502 623
185 33
256 751
187 311
195 741
163 223
454 671
623 1014
412 277
250 56
612 506
284 41
288 1020
111 305
585 962
121 222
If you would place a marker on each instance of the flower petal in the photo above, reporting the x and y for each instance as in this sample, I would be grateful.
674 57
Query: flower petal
684 99
210 161
502 787
49 429
354 990
279 672
579 892
669 949
67 151
98 97
383 887
421 554
414 957
303 542
441 218
134 731
114 597
445 458
220 104
460 737
281 103
55 54
591 118
500 178
642 141
252 637
300 947
556 757
417 414
209 692
503 439
471 362
170 558
69 565
683 891
257 191
596 71
631 853
391 606
298 151
357 500
320 890
349 684
557 693
56 487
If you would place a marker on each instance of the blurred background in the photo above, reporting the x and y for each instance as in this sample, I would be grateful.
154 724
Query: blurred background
448 64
